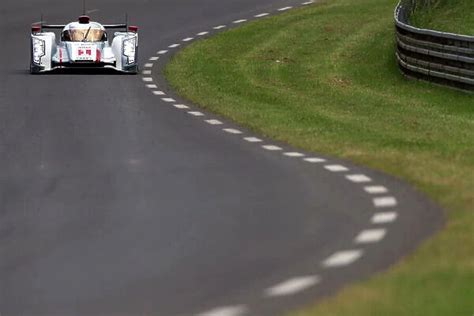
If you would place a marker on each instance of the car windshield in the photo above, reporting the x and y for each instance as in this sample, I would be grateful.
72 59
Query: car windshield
85 34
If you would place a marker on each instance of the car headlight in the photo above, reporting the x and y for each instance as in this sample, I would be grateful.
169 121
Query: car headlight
38 50
129 49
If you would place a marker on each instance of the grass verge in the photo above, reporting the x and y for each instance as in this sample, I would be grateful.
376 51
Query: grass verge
454 16
324 78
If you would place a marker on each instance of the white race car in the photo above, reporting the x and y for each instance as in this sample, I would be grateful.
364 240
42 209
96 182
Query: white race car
84 44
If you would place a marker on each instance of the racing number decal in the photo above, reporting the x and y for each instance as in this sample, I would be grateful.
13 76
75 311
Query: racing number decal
81 52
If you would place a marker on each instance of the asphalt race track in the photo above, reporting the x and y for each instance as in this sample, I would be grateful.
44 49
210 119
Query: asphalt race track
114 202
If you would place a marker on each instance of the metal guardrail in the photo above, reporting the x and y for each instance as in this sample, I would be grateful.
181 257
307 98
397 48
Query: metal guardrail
439 57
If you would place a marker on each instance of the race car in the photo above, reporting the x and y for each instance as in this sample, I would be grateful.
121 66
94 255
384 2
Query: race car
84 44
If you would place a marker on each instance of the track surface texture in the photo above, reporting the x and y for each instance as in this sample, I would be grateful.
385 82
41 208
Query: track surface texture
113 202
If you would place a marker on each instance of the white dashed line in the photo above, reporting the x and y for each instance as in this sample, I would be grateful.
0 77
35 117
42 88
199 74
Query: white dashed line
370 236
285 9
386 201
214 122
232 131
384 218
338 259
314 160
253 140
181 106
292 286
358 178
308 2
237 310
375 189
195 113
169 100
336 168
293 154
272 147
342 258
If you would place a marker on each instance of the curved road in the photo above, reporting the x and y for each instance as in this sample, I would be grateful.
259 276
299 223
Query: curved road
112 202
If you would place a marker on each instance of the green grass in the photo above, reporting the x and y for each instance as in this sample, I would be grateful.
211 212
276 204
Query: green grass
455 16
324 78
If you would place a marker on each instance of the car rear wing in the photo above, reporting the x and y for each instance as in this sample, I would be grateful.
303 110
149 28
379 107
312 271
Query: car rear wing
39 27
61 26
116 26
51 26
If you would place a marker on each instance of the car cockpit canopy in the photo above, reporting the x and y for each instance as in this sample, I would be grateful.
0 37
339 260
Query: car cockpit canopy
84 32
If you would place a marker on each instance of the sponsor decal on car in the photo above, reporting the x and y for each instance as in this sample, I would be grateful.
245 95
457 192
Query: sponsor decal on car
84 52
